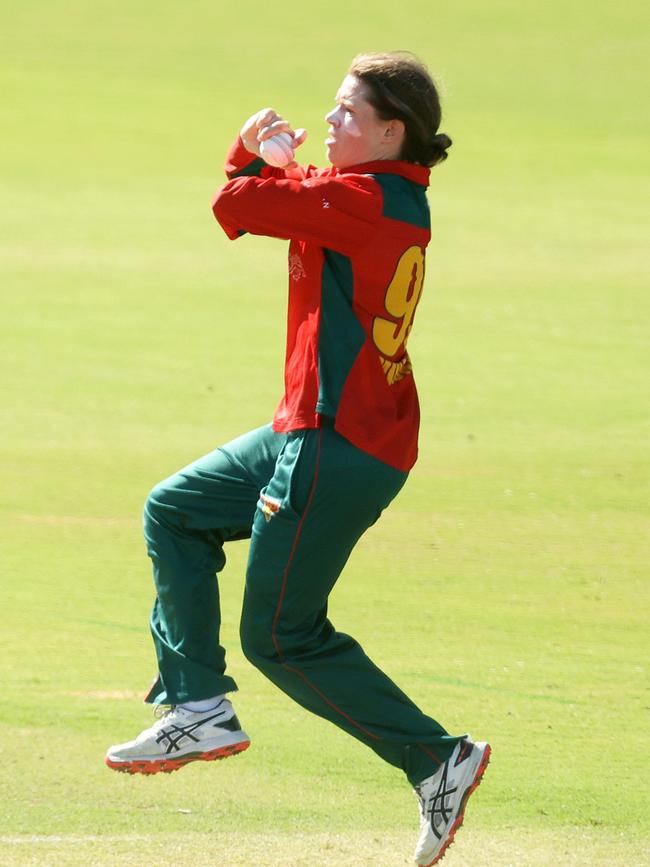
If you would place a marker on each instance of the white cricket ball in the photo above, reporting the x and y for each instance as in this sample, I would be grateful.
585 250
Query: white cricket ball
278 150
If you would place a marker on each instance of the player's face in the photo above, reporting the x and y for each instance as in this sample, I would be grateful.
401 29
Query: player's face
356 133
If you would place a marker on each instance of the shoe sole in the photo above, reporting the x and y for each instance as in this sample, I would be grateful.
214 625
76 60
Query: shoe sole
166 766
478 776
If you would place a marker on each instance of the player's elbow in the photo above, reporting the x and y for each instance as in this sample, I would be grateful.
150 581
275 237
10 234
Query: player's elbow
224 214
219 206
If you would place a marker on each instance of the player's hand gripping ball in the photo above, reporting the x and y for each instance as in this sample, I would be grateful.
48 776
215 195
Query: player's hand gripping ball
278 150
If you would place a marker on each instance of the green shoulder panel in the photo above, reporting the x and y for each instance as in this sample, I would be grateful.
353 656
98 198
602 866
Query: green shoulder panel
404 200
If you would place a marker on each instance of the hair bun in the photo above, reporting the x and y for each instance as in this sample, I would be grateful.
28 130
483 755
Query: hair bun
439 145
442 141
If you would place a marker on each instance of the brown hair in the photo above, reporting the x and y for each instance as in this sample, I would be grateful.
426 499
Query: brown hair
400 87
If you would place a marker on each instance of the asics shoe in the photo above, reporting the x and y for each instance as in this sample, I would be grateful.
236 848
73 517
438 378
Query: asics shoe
179 737
443 797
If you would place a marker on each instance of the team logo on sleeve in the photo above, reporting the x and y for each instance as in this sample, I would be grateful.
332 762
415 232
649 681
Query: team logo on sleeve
269 506
296 268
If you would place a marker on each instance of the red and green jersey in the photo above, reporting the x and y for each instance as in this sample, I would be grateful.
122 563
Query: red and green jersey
356 266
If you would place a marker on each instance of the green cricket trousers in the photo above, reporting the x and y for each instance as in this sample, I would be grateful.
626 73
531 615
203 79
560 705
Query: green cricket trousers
303 498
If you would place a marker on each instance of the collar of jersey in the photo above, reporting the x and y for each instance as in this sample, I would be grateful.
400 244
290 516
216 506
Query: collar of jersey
410 171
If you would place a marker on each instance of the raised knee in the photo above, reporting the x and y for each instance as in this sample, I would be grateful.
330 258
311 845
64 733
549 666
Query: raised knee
256 636
153 501
158 507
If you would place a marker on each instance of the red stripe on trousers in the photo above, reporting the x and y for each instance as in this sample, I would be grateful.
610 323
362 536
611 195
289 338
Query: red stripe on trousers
430 753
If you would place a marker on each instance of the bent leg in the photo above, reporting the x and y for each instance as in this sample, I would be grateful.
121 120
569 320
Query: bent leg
187 519
329 494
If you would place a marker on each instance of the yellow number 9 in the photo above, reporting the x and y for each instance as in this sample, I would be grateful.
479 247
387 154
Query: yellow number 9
402 298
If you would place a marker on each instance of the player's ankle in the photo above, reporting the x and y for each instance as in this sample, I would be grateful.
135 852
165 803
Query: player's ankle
203 705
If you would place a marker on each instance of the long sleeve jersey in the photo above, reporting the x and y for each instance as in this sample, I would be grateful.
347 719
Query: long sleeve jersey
356 267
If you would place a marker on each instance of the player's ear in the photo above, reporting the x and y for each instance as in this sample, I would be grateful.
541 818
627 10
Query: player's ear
394 131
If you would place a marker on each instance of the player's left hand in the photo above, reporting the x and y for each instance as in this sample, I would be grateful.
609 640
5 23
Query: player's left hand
264 124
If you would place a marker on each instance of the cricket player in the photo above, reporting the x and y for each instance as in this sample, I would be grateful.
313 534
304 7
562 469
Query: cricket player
343 440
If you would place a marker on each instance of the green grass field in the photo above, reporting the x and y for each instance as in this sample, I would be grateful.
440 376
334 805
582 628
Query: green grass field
506 589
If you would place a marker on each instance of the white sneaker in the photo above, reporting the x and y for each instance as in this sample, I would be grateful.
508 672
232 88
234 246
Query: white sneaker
178 737
443 797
